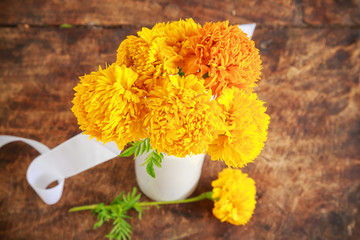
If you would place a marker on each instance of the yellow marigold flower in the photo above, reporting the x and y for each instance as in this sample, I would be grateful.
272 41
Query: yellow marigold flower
175 31
178 34
109 107
226 55
157 52
246 132
234 193
134 53
182 120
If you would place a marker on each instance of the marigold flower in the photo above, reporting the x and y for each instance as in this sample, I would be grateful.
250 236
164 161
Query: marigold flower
225 55
182 120
246 123
109 107
134 53
178 33
157 52
234 193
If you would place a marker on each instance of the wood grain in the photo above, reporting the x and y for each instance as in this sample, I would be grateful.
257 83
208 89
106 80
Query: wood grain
42 67
144 13
307 176
147 13
329 12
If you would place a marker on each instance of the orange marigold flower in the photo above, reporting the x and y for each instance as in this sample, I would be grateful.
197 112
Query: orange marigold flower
226 56
109 107
182 120
234 193
246 133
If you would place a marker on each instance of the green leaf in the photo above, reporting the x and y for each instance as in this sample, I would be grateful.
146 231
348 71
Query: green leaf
157 157
157 163
128 152
143 148
137 151
118 199
66 25
150 169
147 159
148 145
137 148
154 158
206 75
181 72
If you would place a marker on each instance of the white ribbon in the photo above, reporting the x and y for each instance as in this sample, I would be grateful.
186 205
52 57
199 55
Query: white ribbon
248 29
69 158
65 160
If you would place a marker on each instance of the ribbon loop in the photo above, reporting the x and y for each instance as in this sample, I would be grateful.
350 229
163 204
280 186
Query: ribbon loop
65 160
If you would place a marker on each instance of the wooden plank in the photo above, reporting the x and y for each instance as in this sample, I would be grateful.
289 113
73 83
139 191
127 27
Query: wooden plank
40 67
328 12
145 13
311 159
307 176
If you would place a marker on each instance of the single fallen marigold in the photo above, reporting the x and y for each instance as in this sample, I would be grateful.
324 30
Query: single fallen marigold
234 193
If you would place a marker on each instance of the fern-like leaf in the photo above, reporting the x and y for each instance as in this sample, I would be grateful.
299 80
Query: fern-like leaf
138 148
116 211
154 158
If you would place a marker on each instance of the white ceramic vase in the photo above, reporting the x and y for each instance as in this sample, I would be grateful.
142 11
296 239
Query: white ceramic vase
176 179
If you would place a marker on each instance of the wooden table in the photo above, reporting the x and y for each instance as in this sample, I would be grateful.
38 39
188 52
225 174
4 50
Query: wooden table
307 176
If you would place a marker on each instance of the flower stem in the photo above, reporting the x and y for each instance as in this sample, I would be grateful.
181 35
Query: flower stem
205 195
83 208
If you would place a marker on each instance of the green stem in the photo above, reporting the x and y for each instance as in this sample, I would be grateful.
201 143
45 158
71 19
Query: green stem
205 195
84 208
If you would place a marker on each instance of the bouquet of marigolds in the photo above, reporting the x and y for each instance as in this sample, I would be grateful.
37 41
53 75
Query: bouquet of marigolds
178 89
181 89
